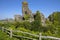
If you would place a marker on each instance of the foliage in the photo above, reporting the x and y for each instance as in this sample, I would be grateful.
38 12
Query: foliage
52 27
4 36
55 17
36 24
26 16
55 26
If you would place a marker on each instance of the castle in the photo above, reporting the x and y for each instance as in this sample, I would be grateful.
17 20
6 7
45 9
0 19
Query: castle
27 12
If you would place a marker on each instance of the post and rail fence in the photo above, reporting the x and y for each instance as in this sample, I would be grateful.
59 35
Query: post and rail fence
39 36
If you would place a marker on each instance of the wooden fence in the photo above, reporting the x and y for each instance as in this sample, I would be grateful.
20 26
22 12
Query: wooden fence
39 36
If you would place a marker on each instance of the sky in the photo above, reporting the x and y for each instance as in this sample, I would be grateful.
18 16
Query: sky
9 8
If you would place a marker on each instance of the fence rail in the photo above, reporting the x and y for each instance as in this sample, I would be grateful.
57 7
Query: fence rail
23 37
25 33
39 36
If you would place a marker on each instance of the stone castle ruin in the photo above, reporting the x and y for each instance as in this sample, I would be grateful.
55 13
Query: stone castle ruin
27 12
27 15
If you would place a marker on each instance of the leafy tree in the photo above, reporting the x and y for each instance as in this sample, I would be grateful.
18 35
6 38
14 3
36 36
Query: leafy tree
37 23
55 27
55 17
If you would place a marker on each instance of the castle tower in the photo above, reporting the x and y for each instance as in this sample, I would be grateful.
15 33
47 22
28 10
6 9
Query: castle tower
25 9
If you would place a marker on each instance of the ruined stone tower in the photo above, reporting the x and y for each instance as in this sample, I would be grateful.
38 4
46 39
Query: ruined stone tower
26 10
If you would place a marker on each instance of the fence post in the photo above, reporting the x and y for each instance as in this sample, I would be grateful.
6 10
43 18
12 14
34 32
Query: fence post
10 33
40 36
2 29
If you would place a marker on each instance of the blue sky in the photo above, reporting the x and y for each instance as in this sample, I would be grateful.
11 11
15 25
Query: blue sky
8 8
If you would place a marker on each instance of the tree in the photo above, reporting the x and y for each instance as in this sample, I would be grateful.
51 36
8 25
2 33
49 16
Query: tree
55 27
55 18
36 24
